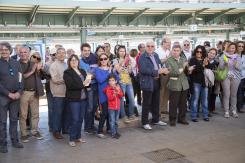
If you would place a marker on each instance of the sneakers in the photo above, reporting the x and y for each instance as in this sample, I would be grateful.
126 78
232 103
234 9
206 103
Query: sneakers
147 127
126 120
17 145
133 118
100 135
25 139
160 123
38 136
234 114
227 115
3 149
206 119
81 140
72 143
89 131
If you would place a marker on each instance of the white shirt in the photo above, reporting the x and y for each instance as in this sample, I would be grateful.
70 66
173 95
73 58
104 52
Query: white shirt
162 53
187 54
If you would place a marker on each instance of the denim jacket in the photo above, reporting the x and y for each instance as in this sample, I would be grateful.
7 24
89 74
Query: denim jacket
147 71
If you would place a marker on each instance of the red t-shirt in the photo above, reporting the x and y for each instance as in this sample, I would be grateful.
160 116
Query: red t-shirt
113 97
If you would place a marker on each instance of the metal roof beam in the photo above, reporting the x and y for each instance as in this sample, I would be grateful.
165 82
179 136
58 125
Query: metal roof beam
197 13
105 16
220 14
165 16
33 15
71 15
240 15
136 16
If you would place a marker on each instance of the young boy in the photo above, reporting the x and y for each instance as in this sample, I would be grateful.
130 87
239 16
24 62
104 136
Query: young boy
114 94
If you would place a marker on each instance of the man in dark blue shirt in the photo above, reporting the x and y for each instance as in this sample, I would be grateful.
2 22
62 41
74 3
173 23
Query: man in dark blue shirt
10 92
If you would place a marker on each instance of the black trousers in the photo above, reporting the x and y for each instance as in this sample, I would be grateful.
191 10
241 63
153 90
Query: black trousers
151 104
211 99
137 90
177 100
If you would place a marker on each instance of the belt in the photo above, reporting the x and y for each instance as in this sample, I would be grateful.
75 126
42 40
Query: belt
32 89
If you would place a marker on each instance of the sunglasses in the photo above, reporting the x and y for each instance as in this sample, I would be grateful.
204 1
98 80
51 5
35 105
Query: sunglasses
186 44
35 57
103 59
199 52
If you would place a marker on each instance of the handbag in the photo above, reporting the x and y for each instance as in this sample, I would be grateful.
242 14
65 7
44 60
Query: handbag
221 74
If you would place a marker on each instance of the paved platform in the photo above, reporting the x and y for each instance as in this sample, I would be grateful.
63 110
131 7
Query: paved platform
218 141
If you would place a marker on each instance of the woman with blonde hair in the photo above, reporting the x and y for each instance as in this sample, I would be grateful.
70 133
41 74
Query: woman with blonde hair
232 61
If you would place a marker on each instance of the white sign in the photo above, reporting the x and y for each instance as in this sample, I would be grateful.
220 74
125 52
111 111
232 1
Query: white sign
193 27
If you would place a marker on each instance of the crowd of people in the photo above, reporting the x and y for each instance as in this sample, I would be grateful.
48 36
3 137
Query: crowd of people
169 80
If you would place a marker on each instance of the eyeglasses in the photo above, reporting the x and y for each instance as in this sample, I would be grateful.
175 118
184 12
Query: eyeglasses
150 46
186 44
4 49
199 52
36 57
103 59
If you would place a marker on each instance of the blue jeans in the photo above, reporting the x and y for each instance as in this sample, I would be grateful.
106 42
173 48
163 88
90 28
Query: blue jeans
11 106
59 105
50 109
91 109
77 112
66 118
199 91
127 89
113 120
103 118
240 95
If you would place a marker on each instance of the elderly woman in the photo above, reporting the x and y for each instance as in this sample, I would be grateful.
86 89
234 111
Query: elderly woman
178 87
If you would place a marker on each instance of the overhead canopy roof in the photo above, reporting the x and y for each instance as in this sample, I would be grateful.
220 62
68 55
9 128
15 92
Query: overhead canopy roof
77 13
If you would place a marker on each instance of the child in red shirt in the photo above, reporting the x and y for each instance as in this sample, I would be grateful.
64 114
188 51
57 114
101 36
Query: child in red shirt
114 93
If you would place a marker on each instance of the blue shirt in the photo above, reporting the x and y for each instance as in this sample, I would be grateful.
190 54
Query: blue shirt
154 62
101 77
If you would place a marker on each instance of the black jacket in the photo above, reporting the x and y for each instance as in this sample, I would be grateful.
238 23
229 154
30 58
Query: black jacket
197 75
74 84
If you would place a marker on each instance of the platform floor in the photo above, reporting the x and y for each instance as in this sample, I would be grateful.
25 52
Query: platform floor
218 141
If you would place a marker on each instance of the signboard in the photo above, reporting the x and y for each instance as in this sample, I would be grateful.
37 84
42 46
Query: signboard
193 27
